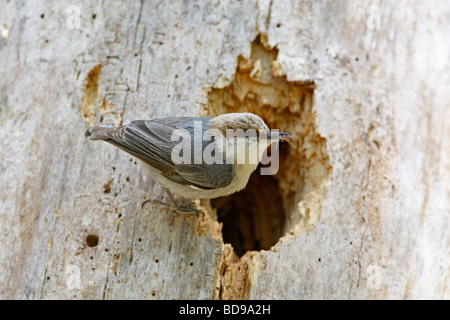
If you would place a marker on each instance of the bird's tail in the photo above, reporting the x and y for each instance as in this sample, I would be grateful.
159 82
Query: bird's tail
97 133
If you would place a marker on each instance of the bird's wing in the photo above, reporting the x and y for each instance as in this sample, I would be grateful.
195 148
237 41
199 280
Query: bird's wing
208 176
150 141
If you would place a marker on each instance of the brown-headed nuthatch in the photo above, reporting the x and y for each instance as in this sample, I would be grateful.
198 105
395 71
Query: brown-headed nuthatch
195 157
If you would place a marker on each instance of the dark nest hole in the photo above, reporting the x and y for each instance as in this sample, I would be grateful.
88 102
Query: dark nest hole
254 219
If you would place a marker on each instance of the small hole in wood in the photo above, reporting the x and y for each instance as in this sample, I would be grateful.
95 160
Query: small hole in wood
92 240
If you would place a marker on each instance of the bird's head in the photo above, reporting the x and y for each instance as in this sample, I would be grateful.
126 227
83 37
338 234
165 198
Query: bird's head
251 132
239 121
245 121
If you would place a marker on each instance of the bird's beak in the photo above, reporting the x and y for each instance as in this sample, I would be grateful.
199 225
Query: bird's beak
283 136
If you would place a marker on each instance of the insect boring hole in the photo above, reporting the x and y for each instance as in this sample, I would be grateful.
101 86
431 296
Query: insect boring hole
288 199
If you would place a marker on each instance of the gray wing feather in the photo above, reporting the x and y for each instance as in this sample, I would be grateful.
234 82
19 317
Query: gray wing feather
209 176
150 141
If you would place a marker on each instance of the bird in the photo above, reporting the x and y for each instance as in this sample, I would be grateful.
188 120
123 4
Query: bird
156 143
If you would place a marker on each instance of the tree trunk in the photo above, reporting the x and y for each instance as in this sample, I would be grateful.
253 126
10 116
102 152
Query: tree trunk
359 208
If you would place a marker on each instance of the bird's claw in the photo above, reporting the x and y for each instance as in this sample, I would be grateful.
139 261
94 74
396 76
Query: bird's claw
187 209
182 208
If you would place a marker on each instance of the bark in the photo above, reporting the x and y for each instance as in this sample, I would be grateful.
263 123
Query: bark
362 198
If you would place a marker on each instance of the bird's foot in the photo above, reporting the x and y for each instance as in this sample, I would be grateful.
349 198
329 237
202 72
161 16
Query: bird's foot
178 208
154 201
187 208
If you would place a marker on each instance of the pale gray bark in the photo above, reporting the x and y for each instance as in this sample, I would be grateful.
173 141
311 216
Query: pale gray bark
378 226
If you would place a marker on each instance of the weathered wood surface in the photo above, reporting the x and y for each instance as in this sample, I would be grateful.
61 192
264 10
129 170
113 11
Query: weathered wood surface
379 229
